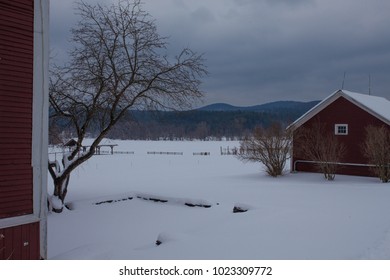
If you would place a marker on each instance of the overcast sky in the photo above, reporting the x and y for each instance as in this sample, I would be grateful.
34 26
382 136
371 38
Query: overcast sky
260 51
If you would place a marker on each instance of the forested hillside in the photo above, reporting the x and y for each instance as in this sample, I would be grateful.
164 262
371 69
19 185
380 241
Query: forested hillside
213 121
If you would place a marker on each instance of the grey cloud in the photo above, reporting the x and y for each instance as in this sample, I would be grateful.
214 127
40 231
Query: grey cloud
203 15
260 51
290 3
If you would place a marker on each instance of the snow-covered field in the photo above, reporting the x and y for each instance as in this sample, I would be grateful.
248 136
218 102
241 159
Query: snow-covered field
297 216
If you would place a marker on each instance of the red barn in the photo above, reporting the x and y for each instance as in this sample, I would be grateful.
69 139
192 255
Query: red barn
23 127
346 114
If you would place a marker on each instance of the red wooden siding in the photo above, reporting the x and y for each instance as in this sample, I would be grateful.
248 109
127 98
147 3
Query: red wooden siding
342 111
16 91
20 242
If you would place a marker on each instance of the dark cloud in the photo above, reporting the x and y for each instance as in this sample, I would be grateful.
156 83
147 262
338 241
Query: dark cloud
265 50
289 3
202 15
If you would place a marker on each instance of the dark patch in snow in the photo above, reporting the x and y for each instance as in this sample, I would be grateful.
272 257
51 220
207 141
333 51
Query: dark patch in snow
113 201
155 199
239 209
189 204
106 201
158 242
176 201
186 202
197 205
158 200
69 206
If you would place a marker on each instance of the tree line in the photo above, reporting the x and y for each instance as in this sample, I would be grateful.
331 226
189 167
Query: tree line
179 125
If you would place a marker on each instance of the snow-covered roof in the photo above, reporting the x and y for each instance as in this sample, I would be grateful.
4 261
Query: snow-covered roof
375 105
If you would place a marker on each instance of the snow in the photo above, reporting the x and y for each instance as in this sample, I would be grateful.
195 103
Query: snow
55 202
296 216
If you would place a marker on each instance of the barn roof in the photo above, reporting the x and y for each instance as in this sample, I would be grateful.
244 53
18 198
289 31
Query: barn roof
375 105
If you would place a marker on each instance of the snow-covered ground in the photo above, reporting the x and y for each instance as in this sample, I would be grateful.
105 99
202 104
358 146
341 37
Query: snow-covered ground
297 216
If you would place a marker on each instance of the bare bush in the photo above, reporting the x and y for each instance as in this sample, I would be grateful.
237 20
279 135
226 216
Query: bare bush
376 148
269 146
321 146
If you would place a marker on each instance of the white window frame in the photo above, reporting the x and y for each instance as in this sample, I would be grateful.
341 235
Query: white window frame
337 129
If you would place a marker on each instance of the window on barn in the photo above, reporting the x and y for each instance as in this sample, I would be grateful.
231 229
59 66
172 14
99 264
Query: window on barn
341 129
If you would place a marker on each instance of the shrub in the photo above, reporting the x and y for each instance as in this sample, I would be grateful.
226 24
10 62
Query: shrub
376 148
269 146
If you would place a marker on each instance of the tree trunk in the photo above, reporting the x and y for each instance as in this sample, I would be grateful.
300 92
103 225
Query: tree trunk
60 191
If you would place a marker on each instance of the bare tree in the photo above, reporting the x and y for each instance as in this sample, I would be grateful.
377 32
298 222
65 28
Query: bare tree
117 63
376 148
321 146
269 146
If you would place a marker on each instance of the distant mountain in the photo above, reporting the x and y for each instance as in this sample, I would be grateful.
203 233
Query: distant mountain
221 107
267 107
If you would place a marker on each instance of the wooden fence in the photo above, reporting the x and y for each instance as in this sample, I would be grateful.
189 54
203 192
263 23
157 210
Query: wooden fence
166 153
228 151
202 154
